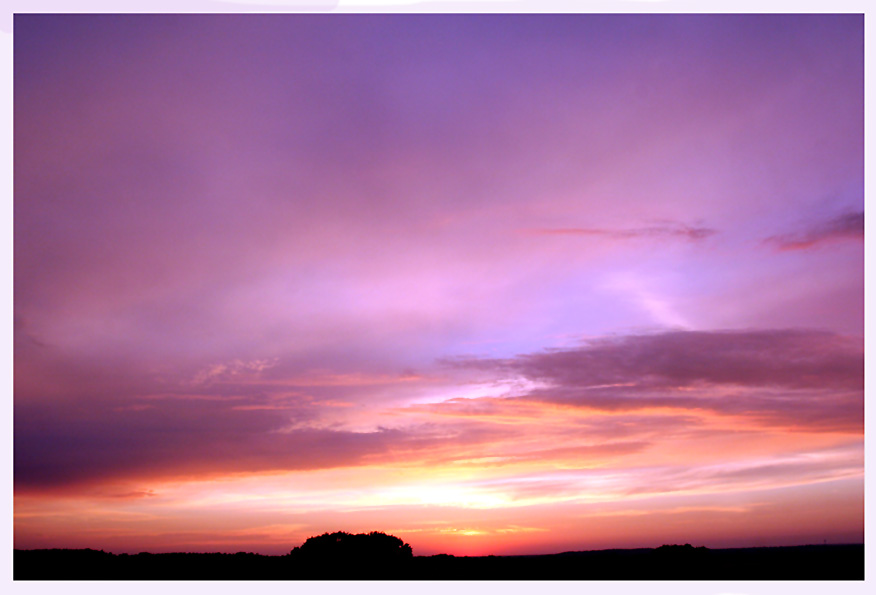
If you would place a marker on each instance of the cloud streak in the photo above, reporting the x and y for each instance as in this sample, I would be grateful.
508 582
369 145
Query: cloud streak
849 226
617 483
795 358
811 379
667 230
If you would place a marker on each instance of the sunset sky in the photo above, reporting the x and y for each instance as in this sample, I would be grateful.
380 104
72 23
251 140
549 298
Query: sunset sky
493 284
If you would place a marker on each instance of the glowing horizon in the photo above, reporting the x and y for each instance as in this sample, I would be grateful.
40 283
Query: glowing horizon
491 284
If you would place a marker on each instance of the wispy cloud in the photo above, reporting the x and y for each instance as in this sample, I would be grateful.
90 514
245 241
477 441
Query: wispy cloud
232 370
663 230
849 226
636 481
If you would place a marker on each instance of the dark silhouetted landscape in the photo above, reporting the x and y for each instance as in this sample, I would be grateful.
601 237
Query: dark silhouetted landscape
378 556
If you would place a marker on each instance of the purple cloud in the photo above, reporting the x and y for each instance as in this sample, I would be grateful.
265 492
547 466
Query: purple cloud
67 444
786 358
811 379
849 226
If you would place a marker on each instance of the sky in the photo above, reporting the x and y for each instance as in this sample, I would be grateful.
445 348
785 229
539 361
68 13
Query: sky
494 284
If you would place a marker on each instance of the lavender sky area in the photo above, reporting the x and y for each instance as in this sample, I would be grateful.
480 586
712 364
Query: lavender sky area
493 283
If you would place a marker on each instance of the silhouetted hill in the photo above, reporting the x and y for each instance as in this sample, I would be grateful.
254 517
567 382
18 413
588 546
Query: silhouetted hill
342 556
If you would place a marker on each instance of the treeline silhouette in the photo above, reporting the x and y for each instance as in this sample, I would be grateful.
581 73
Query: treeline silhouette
378 556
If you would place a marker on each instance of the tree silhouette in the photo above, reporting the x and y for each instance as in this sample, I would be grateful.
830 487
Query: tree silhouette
361 546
